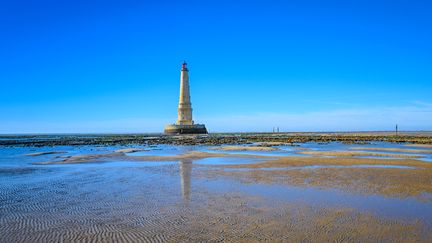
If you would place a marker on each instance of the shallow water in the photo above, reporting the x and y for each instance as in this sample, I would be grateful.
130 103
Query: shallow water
145 200
164 150
226 161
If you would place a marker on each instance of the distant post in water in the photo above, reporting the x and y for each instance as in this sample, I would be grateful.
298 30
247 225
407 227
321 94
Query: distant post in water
396 129
185 124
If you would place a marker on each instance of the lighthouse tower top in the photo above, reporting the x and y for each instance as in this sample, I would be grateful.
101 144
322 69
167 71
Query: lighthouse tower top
184 66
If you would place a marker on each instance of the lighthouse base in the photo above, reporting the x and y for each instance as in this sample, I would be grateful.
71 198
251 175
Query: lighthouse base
174 129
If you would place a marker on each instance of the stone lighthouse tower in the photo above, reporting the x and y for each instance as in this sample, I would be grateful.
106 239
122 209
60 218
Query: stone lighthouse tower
185 106
185 124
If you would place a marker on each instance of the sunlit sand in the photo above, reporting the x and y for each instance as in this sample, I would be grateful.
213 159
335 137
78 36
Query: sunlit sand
245 148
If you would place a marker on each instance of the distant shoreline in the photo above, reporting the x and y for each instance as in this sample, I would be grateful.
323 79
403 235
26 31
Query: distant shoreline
418 137
213 133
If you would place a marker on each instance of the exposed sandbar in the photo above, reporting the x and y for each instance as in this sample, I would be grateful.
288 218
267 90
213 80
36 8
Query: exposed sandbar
268 144
45 153
268 161
392 182
129 150
416 151
353 154
287 161
244 148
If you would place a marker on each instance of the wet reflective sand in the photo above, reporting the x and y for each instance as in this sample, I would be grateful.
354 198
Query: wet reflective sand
192 193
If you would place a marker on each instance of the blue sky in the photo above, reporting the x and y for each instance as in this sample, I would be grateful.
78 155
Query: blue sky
113 66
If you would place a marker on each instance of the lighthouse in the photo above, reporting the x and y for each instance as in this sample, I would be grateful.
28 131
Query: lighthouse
184 106
185 123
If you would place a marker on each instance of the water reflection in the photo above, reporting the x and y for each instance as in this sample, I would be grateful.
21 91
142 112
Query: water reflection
185 178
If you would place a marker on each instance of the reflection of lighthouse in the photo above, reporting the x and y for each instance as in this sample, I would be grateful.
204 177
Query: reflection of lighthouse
185 178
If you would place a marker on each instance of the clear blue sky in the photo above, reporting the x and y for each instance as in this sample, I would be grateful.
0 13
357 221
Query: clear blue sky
113 66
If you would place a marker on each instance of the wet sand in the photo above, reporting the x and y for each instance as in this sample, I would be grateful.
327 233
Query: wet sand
45 153
129 150
200 194
343 173
219 217
244 148
416 151
352 173
292 222
353 154
389 182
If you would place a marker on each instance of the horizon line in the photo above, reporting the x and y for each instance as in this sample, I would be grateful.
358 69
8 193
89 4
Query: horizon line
257 132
